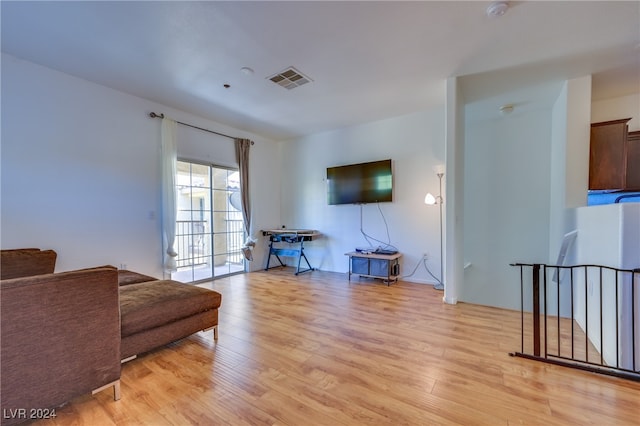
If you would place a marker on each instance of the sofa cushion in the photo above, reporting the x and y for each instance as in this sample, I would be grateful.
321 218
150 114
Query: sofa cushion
151 304
17 263
126 277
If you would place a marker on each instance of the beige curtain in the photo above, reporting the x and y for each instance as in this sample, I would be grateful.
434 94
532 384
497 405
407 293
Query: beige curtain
242 155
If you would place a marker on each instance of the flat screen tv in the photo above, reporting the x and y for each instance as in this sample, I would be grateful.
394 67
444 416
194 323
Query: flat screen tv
360 183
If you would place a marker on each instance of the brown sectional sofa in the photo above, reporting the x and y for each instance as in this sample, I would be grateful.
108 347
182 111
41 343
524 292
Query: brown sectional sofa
65 334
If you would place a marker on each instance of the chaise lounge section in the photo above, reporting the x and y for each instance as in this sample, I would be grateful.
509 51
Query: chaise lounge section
154 313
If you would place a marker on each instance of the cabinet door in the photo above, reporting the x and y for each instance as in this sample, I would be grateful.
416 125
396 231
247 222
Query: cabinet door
379 267
608 155
360 265
633 161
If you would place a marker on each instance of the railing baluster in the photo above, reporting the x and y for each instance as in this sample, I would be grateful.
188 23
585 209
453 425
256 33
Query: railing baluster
546 312
634 275
558 309
522 308
617 326
573 317
586 313
601 320
536 310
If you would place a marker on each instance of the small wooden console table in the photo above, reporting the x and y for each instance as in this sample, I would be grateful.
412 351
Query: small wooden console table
375 265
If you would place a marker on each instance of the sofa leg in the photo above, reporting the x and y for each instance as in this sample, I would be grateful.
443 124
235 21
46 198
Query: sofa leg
215 331
116 389
131 358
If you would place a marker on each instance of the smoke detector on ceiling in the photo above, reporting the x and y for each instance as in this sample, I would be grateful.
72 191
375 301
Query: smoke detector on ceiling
290 78
497 8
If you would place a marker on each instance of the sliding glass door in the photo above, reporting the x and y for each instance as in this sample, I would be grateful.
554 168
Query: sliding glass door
209 226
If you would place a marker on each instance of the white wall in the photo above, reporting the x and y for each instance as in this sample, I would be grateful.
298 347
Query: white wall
415 143
558 158
617 108
578 141
80 170
507 179
569 174
569 159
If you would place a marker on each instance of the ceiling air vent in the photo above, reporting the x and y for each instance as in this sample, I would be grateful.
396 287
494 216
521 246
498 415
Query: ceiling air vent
290 78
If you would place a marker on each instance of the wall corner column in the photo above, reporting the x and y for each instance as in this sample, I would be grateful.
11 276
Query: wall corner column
454 191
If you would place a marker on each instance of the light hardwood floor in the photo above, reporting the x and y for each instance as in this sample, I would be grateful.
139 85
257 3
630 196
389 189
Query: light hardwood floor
318 350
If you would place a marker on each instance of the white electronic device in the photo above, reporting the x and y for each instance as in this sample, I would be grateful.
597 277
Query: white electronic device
567 241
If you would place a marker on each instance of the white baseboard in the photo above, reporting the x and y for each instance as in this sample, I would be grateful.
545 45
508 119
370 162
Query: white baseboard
450 301
418 281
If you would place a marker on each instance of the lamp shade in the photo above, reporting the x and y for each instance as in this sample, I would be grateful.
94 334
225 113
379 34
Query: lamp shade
429 199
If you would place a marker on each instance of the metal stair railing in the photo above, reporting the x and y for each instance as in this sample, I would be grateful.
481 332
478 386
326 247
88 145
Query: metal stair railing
581 316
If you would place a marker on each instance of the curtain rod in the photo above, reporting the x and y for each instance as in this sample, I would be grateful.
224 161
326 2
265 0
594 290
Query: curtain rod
161 115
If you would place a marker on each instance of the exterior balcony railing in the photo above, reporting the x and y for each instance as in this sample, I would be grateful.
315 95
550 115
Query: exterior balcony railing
193 243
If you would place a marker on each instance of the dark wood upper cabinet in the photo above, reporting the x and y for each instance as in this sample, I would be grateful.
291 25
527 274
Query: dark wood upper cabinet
633 160
614 156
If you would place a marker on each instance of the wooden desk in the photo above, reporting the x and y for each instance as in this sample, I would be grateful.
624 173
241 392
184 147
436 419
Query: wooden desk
383 266
294 238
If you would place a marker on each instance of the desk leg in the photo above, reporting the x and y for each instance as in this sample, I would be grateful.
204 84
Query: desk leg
269 255
300 256
273 252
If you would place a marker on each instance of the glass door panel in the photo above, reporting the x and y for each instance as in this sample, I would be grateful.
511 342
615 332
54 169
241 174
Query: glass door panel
209 228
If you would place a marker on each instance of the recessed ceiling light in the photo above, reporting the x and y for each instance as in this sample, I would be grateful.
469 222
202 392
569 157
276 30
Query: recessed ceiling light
497 8
246 70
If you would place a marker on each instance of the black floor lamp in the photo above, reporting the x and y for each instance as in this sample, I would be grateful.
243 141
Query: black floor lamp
430 199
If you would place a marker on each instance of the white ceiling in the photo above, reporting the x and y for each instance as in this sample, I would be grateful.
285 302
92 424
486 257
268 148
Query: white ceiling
368 60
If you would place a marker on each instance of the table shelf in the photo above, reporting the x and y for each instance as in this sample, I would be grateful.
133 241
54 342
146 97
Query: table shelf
375 265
